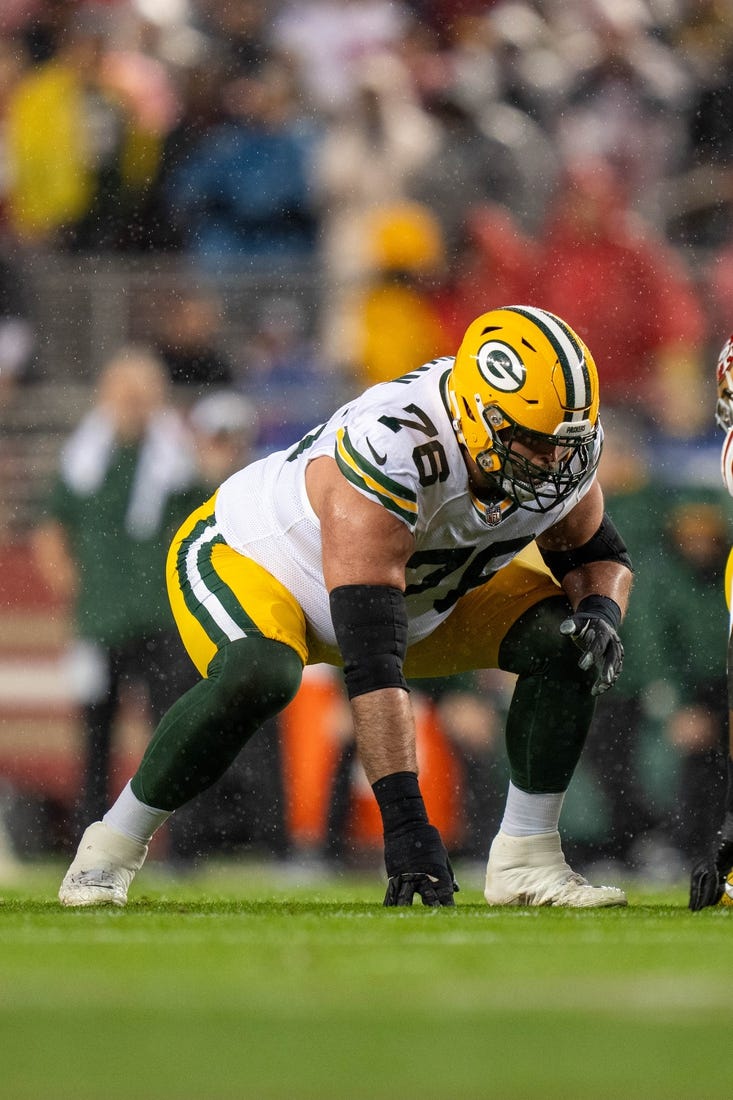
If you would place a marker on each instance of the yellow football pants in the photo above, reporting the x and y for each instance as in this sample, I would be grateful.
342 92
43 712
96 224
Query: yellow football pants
217 596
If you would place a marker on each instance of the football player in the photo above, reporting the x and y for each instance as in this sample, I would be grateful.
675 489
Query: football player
388 541
707 879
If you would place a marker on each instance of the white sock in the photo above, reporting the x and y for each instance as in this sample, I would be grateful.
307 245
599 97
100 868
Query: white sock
526 814
133 818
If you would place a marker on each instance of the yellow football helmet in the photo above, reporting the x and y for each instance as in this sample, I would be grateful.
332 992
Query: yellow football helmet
522 376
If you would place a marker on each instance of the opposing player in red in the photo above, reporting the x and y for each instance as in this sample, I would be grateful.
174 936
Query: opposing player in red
707 880
388 541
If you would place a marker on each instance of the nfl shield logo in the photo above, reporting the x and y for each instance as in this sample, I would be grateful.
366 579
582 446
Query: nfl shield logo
493 515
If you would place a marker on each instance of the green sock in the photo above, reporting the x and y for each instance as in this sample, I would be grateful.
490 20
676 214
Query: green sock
196 741
552 706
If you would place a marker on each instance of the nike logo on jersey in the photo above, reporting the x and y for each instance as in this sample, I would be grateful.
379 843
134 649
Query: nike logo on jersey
379 459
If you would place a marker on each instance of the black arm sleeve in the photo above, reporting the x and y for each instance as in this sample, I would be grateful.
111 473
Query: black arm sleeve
605 545
370 623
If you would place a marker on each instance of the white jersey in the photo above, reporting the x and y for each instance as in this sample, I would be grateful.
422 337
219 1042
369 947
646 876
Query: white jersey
396 445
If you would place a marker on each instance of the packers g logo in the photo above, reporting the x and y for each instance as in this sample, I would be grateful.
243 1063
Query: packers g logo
501 367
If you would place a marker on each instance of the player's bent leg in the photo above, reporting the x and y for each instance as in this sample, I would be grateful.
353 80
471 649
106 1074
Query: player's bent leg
547 725
250 680
103 868
552 706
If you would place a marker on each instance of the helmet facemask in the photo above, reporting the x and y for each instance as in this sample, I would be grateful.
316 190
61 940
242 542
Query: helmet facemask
534 485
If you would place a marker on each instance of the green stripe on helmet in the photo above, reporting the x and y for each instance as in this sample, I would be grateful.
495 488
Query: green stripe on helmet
575 378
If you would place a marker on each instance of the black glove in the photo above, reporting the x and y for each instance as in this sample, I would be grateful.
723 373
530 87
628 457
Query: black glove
593 629
417 863
707 878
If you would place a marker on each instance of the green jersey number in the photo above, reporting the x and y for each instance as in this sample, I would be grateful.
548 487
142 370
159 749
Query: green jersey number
430 458
475 572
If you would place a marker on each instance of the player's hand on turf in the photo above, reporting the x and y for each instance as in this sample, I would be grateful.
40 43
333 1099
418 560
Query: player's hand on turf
417 864
707 878
600 646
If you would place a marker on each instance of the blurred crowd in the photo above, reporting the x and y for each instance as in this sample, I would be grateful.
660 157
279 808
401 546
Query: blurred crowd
427 161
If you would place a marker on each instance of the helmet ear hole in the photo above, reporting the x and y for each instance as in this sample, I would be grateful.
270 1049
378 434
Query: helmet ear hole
469 410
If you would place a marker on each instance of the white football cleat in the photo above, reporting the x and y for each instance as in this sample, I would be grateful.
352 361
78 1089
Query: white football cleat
103 868
531 870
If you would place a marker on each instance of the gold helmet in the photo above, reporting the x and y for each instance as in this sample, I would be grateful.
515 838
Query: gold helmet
522 375
724 407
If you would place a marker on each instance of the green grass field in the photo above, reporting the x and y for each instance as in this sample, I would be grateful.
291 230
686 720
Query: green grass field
240 984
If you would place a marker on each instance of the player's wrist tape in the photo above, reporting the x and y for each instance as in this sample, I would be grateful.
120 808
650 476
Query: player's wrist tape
370 624
400 802
602 607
